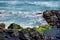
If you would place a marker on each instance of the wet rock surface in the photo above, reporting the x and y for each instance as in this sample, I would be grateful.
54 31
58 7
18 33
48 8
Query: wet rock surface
22 35
52 17
2 25
8 35
52 34
14 26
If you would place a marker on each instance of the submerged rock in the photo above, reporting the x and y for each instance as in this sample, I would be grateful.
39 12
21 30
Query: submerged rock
38 13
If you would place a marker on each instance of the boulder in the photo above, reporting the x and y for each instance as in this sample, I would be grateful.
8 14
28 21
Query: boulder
52 17
8 35
14 26
36 35
2 25
24 35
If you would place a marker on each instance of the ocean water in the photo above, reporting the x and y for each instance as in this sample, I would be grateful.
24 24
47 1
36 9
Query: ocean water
24 12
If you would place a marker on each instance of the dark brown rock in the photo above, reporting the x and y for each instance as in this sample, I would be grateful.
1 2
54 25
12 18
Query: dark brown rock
52 17
2 25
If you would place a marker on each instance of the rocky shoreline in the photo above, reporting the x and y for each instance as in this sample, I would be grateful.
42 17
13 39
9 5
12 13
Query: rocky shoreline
51 16
20 35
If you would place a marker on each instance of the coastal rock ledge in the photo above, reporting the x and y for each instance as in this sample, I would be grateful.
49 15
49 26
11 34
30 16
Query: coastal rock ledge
52 17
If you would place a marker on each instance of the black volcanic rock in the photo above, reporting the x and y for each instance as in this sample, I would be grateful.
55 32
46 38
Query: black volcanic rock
53 34
24 35
30 35
14 26
36 35
8 35
21 35
52 17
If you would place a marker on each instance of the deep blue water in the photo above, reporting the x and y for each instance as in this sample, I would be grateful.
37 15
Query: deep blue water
24 12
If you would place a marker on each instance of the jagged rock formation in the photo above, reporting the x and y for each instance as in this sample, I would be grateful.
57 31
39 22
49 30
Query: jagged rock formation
22 35
28 35
14 26
52 17
53 34
8 35
2 25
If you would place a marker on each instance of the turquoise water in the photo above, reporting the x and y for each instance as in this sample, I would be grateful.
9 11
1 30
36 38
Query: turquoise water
24 12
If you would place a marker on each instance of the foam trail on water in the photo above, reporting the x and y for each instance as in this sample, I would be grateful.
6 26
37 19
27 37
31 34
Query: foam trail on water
24 12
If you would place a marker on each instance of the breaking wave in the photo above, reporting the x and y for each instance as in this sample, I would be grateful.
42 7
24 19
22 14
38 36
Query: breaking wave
24 12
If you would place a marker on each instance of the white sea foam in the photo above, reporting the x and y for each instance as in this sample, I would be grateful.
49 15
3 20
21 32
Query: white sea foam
24 15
